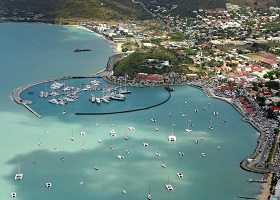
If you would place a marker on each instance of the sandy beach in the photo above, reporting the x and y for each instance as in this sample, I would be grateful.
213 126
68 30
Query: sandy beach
117 47
265 189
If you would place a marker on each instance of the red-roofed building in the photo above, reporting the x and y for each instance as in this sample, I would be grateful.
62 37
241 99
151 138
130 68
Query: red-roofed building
155 78
270 63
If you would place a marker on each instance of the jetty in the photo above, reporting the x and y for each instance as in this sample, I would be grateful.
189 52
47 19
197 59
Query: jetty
250 180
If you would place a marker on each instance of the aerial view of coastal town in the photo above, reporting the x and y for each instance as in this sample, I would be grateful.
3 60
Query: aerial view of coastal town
148 99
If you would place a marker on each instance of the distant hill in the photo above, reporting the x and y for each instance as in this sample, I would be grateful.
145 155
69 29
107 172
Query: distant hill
185 7
66 9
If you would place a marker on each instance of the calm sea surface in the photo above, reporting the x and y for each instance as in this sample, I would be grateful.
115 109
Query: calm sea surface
34 52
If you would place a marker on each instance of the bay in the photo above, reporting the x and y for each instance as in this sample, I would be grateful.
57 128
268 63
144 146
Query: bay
35 52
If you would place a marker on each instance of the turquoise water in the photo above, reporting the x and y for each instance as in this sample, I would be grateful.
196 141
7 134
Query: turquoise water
34 52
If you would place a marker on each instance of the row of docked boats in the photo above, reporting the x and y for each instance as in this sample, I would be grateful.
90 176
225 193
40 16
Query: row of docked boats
70 94
108 94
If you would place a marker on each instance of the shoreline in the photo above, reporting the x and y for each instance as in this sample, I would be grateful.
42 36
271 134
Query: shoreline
247 168
116 47
265 187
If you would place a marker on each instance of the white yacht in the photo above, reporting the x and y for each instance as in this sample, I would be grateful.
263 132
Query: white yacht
18 176
181 153
54 101
48 184
120 157
97 100
119 97
145 144
124 191
99 141
169 187
13 194
153 120
92 99
180 175
82 133
112 133
157 153
215 113
188 130
203 154
163 165
218 147
131 128
172 138
105 100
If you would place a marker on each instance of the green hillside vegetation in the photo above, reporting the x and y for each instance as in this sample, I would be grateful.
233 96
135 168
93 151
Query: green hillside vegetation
75 9
136 63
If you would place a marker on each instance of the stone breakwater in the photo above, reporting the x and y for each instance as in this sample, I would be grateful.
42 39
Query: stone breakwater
16 93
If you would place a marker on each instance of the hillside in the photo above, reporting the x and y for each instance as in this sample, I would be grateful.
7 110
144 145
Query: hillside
137 63
185 7
73 9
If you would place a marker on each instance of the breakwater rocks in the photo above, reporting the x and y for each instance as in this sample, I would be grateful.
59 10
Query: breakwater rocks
126 111
113 60
16 93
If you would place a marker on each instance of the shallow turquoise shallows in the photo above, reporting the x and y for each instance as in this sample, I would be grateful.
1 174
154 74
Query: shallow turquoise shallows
35 52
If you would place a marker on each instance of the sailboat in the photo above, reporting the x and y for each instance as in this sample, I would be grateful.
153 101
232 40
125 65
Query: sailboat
153 118
149 194
83 147
111 147
72 137
172 137
215 111
156 128
179 174
48 183
34 161
125 91
82 133
63 110
188 129
168 185
126 137
62 157
196 140
203 153
145 144
210 124
13 193
163 165
157 153
18 176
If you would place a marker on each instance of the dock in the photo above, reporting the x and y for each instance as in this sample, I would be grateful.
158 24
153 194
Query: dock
256 181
